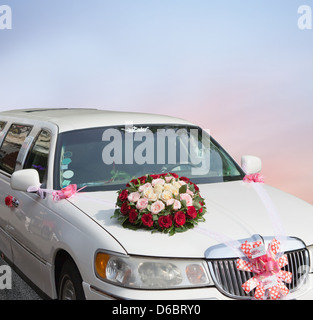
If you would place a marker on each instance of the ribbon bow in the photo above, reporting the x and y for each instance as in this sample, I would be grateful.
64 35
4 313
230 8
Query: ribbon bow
64 193
266 266
256 177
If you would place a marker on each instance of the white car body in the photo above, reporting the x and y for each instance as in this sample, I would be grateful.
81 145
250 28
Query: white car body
40 234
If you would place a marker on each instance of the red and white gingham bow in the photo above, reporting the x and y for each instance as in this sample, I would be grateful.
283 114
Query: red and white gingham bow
267 268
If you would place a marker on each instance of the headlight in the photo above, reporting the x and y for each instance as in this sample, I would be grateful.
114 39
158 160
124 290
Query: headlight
151 273
310 249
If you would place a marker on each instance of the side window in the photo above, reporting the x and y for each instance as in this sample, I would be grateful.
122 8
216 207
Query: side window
11 146
2 133
38 155
2 125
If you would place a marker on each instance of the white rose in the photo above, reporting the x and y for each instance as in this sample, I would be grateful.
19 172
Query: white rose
158 188
149 194
176 184
175 191
157 181
166 195
167 186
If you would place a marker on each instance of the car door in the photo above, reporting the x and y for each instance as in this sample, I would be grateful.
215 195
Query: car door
30 227
11 142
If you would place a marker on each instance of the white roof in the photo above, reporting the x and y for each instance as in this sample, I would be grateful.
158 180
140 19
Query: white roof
72 119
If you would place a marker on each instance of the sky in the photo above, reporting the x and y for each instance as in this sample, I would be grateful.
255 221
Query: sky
241 69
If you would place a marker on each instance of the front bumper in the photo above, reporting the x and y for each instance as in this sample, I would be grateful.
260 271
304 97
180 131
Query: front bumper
110 292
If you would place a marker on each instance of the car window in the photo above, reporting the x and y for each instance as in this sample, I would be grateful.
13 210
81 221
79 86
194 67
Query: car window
2 133
107 158
38 155
2 125
11 146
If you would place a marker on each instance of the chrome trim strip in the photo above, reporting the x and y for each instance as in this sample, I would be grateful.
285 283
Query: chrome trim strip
225 251
99 291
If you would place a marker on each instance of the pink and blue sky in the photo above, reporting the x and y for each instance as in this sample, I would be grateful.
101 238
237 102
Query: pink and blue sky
242 69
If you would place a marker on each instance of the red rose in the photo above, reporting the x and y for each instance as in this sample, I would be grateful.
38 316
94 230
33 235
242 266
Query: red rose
9 201
155 176
179 218
133 215
123 195
134 181
175 175
195 186
165 221
191 212
184 179
142 179
147 219
125 208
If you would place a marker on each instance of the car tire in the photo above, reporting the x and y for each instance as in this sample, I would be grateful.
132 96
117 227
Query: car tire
70 282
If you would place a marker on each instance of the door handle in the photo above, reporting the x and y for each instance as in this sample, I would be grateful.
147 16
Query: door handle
15 202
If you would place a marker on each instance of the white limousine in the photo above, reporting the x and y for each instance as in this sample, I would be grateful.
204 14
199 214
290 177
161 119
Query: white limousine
109 205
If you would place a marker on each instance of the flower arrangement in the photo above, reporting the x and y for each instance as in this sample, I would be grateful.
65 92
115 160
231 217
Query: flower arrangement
160 202
11 202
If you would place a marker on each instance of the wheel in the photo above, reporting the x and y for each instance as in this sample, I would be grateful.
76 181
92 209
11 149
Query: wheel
70 282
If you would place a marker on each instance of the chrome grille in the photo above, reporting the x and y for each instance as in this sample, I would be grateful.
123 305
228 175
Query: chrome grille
228 279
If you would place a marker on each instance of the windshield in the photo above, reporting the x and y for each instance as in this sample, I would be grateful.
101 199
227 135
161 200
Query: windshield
107 158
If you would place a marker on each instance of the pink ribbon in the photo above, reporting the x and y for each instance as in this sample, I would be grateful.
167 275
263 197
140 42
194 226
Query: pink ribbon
271 266
255 177
57 195
66 192
39 191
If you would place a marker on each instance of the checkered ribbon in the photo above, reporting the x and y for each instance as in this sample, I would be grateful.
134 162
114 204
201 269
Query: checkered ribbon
269 279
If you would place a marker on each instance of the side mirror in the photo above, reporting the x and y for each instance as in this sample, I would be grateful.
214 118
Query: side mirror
251 164
22 179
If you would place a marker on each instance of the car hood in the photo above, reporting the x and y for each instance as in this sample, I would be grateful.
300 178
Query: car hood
235 211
